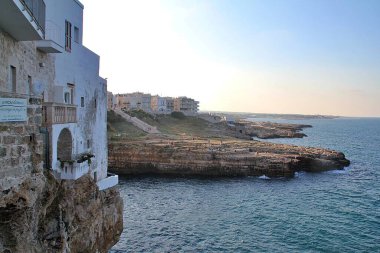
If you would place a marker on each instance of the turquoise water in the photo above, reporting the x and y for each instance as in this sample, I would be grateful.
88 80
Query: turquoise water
335 211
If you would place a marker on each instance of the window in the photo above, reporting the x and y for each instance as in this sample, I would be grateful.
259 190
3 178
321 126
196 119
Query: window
76 34
30 84
70 99
68 36
67 98
13 78
82 101
88 144
95 103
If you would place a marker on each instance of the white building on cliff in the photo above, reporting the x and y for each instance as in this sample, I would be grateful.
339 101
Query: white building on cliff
54 67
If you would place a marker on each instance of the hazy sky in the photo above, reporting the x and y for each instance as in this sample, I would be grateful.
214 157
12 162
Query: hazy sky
284 56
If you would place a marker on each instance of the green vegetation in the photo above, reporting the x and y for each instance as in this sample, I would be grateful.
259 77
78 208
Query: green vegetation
178 115
118 128
144 116
189 126
175 124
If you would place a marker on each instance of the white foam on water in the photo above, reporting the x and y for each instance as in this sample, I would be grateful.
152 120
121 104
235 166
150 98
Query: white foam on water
264 177
299 174
344 171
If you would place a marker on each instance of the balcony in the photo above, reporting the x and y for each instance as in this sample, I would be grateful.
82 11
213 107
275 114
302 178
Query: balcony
73 170
49 46
23 19
54 113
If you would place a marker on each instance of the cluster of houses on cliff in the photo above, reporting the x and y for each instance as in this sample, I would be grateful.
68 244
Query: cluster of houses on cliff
53 103
152 104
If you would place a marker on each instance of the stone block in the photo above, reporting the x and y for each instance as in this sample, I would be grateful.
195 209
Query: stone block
18 129
30 111
18 151
25 161
38 110
38 120
30 128
3 152
18 139
9 139
15 162
4 128
25 139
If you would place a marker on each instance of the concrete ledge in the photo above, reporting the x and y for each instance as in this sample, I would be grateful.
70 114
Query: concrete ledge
108 182
49 46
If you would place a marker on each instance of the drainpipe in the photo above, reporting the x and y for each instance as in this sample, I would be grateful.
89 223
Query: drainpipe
45 131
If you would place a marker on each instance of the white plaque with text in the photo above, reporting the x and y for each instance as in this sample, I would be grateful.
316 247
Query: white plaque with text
13 109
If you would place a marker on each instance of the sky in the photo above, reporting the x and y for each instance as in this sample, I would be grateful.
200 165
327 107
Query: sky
272 56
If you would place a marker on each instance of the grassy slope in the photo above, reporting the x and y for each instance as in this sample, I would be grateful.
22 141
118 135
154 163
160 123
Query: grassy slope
117 127
191 126
167 124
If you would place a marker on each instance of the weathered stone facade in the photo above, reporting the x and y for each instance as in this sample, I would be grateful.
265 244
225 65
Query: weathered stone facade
21 143
21 149
28 61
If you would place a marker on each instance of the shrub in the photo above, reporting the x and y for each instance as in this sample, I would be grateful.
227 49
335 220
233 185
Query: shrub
178 115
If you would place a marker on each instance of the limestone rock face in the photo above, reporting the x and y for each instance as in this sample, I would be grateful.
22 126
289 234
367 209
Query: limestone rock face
41 214
216 158
269 130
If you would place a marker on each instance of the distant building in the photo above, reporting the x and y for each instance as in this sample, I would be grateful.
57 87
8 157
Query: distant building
111 101
170 104
186 105
133 101
146 102
158 104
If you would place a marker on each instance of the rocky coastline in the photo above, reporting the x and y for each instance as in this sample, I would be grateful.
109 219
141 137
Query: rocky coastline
268 130
212 158
41 214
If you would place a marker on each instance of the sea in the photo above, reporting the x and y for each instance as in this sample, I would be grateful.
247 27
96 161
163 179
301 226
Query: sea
333 211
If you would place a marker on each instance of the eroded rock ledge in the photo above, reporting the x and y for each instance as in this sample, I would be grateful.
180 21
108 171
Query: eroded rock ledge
40 214
269 130
219 158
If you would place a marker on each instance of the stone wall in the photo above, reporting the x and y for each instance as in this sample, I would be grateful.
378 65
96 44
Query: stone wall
21 143
28 62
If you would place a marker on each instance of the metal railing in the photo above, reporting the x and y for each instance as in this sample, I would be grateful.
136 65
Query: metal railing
54 113
37 9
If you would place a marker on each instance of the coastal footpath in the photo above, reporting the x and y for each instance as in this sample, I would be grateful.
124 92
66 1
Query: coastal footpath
41 214
214 157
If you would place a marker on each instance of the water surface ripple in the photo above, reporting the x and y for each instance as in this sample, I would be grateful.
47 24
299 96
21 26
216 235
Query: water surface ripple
335 211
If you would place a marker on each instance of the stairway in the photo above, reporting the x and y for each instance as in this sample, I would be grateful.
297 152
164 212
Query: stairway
137 122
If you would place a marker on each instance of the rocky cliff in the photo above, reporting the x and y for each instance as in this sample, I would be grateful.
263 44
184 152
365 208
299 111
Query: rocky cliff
41 214
268 130
219 158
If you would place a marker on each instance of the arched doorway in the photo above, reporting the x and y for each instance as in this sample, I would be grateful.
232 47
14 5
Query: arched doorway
64 145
